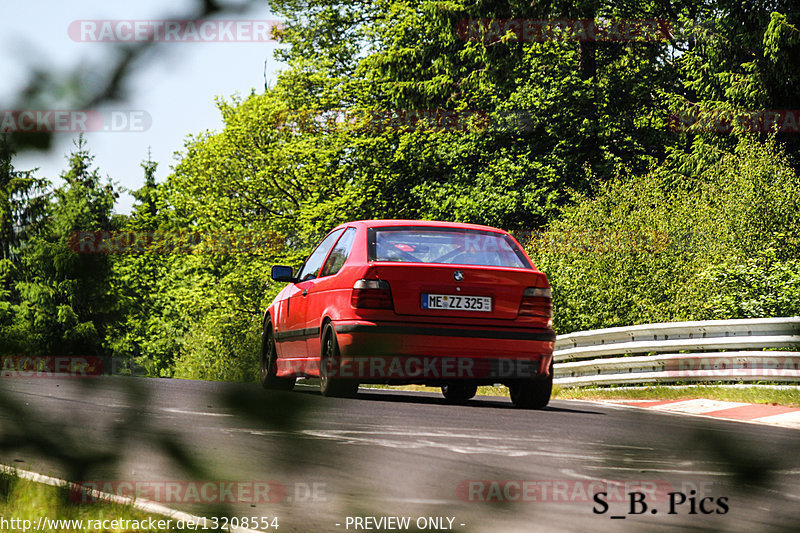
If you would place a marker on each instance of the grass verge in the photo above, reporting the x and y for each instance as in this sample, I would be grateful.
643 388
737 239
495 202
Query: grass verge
739 393
23 503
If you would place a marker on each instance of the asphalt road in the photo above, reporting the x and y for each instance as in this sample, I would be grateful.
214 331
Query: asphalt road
329 462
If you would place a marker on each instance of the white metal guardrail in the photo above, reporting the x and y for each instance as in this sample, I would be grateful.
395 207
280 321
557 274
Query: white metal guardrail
719 350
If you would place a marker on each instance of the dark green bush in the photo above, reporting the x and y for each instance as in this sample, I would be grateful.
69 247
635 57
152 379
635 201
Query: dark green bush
664 247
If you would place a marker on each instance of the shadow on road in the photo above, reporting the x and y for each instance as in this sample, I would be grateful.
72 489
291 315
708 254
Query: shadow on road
431 398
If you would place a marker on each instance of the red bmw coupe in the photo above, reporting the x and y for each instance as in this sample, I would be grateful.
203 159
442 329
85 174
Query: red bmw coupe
402 301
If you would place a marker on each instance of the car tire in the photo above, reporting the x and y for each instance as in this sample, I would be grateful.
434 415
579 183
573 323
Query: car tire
459 391
532 393
268 366
329 384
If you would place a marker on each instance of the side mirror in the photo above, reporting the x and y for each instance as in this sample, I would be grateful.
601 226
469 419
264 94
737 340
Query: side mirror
282 273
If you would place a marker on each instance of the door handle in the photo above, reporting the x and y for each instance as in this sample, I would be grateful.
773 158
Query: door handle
305 291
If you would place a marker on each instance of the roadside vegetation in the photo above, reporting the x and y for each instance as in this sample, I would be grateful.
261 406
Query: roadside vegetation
788 396
570 144
22 500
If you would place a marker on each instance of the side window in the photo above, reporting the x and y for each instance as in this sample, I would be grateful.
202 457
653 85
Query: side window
339 253
314 262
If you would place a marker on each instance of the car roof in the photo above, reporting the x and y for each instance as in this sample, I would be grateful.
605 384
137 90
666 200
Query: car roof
423 223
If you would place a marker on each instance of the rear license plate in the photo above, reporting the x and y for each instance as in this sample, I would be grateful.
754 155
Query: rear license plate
456 302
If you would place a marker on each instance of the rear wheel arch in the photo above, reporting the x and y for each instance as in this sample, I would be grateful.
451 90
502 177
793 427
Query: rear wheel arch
325 321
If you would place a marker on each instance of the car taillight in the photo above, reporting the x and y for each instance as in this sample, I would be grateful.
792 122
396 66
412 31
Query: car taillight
536 301
372 294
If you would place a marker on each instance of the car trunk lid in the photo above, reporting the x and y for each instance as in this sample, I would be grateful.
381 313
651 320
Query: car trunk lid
421 289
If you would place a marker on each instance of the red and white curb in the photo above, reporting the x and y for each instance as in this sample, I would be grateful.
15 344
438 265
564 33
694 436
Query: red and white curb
776 415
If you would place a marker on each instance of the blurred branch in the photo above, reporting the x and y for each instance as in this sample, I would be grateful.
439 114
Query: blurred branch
105 81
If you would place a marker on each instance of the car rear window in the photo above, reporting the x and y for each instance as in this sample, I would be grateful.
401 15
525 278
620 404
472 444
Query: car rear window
452 246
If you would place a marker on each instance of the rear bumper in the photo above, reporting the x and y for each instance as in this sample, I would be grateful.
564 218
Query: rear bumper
392 352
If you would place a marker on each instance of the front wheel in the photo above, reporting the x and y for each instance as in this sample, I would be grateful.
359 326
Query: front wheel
269 367
329 364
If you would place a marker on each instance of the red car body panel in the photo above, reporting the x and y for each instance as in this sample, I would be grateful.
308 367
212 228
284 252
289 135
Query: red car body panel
414 335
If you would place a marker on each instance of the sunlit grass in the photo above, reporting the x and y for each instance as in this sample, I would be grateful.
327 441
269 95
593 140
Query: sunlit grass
739 393
22 499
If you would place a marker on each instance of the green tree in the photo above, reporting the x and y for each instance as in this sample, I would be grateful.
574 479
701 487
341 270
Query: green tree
23 203
65 304
643 250
24 208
